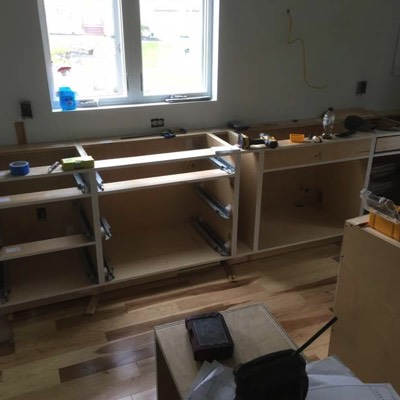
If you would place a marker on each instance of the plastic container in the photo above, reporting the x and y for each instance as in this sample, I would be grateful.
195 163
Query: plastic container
67 98
297 137
328 123
65 93
384 214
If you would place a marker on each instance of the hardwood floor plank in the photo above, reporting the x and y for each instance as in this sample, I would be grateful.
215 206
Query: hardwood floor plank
117 383
96 354
194 291
147 395
147 326
129 343
311 285
103 364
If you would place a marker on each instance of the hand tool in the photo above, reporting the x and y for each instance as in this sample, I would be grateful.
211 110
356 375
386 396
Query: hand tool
53 167
244 141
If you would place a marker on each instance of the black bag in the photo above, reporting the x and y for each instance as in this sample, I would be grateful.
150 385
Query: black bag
276 376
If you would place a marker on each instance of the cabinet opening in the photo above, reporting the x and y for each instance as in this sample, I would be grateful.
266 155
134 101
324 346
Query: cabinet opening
46 276
305 204
153 229
385 177
151 146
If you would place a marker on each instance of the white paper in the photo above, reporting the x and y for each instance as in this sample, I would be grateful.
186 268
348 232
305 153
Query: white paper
329 379
353 391
213 382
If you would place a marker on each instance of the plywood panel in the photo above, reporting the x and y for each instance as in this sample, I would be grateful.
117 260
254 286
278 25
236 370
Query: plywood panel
387 143
295 154
366 336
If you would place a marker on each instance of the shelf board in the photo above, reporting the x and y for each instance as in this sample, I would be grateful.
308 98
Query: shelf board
38 172
165 180
46 196
52 277
155 158
287 226
44 246
152 252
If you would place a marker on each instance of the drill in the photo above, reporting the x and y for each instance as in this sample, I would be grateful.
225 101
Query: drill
266 139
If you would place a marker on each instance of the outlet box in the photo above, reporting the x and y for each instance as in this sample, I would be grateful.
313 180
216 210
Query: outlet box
26 109
157 122
361 88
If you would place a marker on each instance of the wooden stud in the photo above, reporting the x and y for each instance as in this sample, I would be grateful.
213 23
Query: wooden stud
20 132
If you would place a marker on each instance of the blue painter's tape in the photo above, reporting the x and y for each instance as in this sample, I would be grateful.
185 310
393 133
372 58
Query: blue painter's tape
19 167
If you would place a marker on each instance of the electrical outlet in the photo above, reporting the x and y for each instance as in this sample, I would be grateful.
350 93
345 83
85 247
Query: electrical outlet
26 109
361 88
157 122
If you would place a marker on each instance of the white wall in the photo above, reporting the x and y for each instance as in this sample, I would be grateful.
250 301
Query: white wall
260 75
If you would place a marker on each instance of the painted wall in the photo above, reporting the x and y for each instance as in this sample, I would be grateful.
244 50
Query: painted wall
260 75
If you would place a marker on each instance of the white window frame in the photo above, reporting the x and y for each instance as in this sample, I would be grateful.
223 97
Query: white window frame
128 14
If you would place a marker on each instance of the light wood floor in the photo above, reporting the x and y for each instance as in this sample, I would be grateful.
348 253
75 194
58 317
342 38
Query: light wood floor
59 352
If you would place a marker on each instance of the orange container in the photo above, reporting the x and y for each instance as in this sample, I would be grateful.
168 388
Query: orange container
297 137
384 226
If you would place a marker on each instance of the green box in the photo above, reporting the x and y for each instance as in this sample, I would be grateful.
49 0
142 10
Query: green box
69 164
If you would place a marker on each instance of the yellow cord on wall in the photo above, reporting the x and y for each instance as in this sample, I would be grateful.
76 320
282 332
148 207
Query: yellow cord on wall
303 48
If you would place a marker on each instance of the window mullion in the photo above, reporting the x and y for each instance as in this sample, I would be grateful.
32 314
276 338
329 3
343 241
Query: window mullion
133 53
46 50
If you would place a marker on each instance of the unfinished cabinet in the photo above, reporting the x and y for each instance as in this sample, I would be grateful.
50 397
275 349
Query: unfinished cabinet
149 207
170 203
46 250
301 192
153 206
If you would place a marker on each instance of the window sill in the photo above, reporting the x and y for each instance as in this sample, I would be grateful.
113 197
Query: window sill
137 105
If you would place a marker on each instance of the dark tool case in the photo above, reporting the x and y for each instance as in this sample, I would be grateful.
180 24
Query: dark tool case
209 337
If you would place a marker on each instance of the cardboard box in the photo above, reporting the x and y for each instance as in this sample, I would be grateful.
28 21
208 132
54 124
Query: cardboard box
384 226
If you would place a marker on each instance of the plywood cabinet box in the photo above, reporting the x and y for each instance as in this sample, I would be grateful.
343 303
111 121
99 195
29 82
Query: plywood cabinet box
152 207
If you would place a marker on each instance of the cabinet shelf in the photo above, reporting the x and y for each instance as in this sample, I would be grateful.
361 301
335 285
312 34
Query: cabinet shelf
293 225
156 251
48 278
165 180
47 196
43 246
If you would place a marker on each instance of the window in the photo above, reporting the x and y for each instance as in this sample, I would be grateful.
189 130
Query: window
129 51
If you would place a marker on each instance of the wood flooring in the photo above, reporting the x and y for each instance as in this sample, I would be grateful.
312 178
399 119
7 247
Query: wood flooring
63 352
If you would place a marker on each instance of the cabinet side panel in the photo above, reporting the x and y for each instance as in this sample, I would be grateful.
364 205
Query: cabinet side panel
366 336
248 199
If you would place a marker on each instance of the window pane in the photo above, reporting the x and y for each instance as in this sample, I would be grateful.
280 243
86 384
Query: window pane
85 48
173 46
